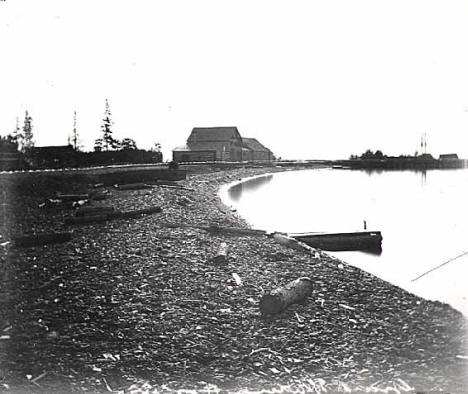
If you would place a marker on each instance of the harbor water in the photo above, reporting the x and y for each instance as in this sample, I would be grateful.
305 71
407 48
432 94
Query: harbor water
423 217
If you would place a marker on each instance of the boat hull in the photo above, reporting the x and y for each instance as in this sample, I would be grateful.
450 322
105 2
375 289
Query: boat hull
359 241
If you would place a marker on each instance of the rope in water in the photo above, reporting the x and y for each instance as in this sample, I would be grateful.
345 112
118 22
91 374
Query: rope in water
439 266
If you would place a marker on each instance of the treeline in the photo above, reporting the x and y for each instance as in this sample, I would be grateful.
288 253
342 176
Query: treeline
378 155
18 151
369 155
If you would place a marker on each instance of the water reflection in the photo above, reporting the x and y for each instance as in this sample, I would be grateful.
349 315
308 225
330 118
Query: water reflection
237 191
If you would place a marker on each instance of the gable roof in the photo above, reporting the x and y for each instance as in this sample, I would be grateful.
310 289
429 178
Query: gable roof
252 143
214 134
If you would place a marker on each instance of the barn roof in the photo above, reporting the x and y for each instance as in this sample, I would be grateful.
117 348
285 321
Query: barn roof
253 144
214 133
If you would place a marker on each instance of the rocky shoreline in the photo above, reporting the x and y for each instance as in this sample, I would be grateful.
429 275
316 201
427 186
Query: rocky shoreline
138 305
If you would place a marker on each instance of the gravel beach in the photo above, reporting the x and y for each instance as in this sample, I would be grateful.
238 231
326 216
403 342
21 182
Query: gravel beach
138 305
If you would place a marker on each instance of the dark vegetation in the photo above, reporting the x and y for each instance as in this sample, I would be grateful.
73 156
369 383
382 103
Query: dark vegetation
378 160
18 151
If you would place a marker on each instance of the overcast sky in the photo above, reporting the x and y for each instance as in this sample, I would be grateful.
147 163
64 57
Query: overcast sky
309 79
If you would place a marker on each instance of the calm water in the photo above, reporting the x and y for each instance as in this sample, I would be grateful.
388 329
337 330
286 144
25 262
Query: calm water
423 217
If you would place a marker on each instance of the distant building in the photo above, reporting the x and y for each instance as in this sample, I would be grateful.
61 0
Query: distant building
451 160
220 144
9 161
185 154
211 143
53 156
10 158
449 156
255 151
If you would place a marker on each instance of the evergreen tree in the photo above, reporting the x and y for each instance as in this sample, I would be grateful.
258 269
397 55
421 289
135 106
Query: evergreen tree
98 145
27 136
75 139
108 141
128 144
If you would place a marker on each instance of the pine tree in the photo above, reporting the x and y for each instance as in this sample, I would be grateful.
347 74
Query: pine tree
75 139
128 144
108 141
28 142
98 145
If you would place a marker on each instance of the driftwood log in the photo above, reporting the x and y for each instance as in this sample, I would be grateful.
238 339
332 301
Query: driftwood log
134 186
72 197
93 211
280 298
166 183
292 243
233 230
86 219
134 214
112 215
41 239
98 196
221 255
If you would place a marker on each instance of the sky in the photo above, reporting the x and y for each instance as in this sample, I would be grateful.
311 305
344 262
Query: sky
314 79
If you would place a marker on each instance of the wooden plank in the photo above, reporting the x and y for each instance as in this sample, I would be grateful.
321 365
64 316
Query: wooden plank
41 239
72 197
93 211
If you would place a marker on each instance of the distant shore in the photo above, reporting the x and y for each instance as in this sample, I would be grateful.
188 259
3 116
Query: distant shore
138 303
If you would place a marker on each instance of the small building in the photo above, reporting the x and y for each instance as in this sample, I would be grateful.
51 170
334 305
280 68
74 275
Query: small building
184 154
10 157
448 157
255 151
53 156
451 160
10 161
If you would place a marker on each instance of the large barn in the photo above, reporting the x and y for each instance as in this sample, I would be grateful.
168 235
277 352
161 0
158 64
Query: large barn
220 144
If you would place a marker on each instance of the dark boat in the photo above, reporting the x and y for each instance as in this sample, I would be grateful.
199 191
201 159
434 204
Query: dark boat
362 241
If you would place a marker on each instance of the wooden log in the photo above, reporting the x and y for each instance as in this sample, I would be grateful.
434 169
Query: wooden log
166 183
280 298
41 239
99 196
86 219
93 211
72 197
234 231
134 186
134 214
290 242
221 255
